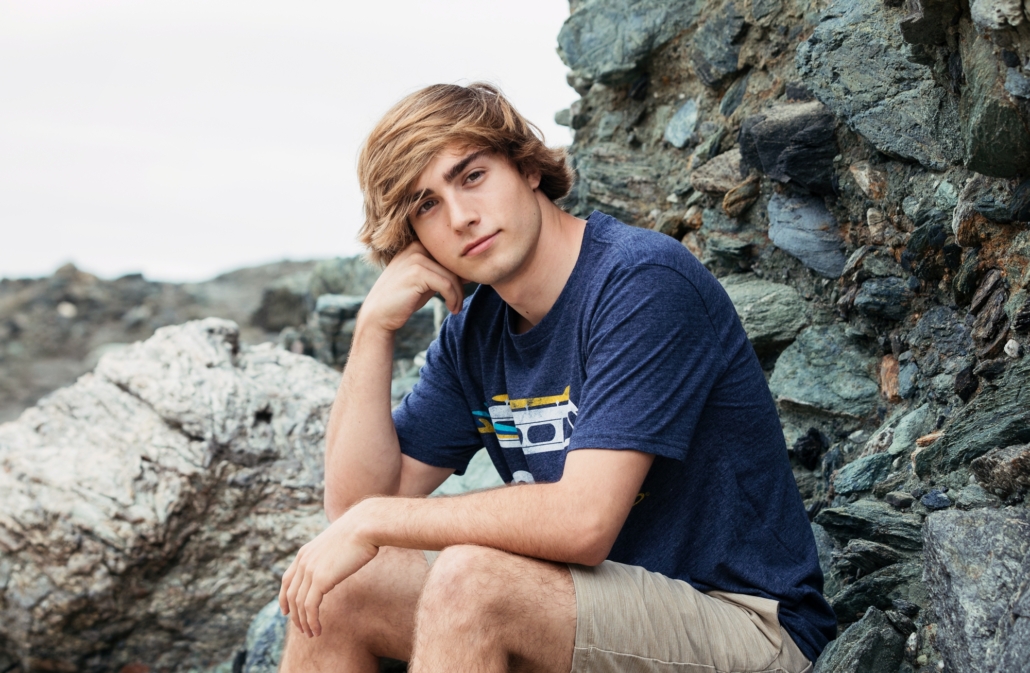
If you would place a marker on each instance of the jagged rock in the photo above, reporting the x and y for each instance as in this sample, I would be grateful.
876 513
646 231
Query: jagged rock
725 238
981 598
899 499
996 14
872 520
612 179
990 329
935 500
263 647
871 181
856 63
342 275
804 228
680 128
823 371
908 376
1004 472
879 589
910 428
149 508
997 141
734 96
743 196
824 548
720 174
771 313
861 557
862 473
708 148
884 298
284 303
792 142
870 645
716 47
605 40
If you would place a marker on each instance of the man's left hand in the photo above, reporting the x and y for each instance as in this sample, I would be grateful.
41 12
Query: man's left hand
337 553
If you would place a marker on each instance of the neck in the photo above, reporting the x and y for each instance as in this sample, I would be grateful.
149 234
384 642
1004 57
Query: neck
534 290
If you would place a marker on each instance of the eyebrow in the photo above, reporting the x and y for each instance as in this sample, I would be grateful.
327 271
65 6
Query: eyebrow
462 165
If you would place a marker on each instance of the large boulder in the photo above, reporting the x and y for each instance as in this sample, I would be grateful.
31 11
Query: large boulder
978 575
794 142
772 313
803 227
856 62
149 508
871 645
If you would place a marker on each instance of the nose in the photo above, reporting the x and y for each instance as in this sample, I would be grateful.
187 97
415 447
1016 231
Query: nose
463 212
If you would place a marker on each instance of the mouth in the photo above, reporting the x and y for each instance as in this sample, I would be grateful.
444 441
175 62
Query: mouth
479 245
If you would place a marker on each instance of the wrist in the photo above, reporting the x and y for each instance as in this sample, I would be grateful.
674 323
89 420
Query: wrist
362 520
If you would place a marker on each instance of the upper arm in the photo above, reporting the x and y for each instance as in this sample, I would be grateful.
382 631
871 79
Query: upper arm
418 478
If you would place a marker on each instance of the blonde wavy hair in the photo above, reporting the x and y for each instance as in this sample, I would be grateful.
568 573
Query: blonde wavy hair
404 142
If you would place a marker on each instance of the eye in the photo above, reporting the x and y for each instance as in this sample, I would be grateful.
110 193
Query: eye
425 207
474 176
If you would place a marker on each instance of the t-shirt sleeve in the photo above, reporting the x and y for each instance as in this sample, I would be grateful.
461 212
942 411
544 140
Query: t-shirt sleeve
434 423
652 357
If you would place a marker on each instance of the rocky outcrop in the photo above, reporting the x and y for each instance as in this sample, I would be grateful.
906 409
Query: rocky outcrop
149 509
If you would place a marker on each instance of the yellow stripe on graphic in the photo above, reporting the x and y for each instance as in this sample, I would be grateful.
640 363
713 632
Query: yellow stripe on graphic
531 402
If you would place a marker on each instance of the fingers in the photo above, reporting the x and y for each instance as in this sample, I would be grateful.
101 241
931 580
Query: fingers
301 601
440 280
454 295
284 604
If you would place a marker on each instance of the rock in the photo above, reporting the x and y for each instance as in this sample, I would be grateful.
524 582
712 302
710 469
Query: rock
284 303
672 223
940 330
909 428
997 141
935 500
855 62
823 371
928 21
899 500
681 127
996 14
884 298
889 385
980 598
1004 472
907 379
265 637
716 45
878 589
809 448
871 181
1017 84
607 40
824 548
772 313
992 281
862 473
734 96
1021 322
720 174
617 181
1013 349
861 557
708 148
991 327
966 383
342 275
870 645
743 196
804 228
872 520
792 142
150 508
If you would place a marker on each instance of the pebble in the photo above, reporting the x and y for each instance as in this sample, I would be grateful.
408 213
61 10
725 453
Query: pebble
1013 349
935 500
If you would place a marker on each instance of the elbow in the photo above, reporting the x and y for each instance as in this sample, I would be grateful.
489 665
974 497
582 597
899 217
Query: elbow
595 540
333 509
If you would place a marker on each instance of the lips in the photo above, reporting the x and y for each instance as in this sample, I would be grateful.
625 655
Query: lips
479 245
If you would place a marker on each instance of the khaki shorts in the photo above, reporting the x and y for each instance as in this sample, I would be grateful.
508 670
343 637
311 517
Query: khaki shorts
630 620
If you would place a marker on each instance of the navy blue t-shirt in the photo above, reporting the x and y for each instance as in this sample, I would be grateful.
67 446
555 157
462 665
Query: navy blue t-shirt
642 350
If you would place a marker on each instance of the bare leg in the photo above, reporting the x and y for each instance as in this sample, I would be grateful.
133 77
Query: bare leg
369 615
488 610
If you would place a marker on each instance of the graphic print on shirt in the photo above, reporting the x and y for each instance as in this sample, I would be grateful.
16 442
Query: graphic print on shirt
533 424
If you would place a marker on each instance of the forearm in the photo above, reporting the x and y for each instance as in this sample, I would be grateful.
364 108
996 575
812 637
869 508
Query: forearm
362 455
545 521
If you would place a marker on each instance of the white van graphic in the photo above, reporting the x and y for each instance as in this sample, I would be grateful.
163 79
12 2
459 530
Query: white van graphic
534 424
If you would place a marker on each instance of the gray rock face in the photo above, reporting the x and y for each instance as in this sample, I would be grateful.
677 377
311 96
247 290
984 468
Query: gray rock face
342 275
862 474
855 62
1004 472
998 416
978 575
792 143
265 638
283 303
823 371
681 127
871 645
612 179
884 298
605 40
769 311
878 589
149 508
804 228
872 520
716 45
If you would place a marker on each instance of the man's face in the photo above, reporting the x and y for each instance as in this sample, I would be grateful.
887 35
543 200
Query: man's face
477 215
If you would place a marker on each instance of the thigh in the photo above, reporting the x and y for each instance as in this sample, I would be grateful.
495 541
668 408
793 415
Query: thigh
630 619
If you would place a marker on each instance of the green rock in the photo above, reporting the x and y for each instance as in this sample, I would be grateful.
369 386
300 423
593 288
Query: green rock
998 416
772 313
873 520
871 645
878 589
862 474
996 138
824 371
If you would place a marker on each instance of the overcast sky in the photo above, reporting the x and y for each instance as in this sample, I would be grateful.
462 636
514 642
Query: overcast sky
185 138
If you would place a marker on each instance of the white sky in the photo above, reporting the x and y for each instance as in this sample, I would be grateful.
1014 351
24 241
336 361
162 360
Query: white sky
186 138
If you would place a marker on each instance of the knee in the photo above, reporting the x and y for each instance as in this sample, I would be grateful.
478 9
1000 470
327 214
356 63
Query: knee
465 581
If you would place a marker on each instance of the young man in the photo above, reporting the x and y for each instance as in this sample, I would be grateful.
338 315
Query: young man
651 522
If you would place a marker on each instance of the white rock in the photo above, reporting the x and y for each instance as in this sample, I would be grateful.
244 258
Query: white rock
996 14
149 509
1013 349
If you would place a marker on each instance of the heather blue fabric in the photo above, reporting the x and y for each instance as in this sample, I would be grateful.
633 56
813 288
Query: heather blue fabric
642 350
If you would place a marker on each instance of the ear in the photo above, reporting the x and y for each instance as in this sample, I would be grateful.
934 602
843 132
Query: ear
533 178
